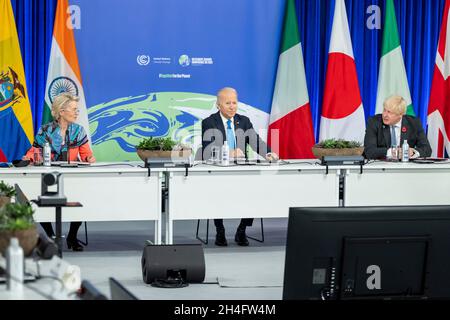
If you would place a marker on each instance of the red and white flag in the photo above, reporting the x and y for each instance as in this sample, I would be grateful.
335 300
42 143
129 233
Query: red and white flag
439 106
342 109
290 116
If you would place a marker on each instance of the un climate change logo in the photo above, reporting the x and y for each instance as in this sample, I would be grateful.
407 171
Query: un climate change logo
184 60
61 85
143 60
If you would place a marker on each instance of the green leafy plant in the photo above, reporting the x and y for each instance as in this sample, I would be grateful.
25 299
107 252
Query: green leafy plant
16 216
6 190
159 144
338 144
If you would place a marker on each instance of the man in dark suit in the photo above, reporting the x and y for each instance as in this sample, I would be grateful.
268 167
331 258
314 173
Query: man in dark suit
387 131
226 126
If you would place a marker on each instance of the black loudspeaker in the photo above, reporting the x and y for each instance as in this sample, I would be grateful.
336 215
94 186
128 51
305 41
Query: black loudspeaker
173 263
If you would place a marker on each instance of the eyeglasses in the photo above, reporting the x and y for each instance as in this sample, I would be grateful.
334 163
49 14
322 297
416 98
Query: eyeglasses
73 110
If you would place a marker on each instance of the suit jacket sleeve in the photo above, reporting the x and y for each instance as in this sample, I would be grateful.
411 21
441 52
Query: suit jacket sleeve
372 150
211 137
422 144
205 143
255 141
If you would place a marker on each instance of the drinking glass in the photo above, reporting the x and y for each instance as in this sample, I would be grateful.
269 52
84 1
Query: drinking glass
38 159
395 153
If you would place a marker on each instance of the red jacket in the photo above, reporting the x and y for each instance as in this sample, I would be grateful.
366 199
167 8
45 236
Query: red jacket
80 153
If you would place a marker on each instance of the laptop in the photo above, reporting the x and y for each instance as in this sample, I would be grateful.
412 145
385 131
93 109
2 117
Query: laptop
254 161
72 164
21 198
429 160
27 277
119 292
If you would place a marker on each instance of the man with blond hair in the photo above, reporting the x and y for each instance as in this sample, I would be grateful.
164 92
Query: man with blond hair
386 132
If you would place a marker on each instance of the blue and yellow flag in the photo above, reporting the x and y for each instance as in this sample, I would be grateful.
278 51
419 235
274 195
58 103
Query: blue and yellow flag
16 122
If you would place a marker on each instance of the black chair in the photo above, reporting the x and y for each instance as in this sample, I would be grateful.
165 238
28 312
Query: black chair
207 232
85 235
199 157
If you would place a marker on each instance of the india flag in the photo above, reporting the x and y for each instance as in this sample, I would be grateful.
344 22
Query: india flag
392 77
290 116
63 71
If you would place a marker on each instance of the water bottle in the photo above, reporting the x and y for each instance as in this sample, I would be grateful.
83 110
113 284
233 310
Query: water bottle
14 266
405 151
225 154
47 155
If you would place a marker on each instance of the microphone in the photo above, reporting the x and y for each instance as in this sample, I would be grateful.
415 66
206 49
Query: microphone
68 145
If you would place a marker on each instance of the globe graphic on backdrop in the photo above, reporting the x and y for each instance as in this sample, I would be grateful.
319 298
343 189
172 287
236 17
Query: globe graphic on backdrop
117 126
184 60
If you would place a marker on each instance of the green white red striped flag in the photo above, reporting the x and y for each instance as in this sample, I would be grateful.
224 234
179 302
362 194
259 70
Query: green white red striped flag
290 115
392 78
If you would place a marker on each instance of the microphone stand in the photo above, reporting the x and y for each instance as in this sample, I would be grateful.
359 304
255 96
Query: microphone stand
68 145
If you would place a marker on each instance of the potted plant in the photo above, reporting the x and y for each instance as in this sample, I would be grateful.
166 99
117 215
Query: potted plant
337 147
16 220
162 148
6 193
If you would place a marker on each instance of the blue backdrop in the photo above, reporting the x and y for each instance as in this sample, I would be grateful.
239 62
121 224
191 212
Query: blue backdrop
419 24
418 21
34 21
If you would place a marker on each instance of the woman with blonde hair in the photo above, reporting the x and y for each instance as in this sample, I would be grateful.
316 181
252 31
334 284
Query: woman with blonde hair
67 139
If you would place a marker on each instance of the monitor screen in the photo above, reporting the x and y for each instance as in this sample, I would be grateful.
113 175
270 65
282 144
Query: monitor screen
21 198
368 253
119 292
89 292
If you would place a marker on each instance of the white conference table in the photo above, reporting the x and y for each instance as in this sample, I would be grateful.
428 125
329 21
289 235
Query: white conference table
107 191
397 184
247 191
125 192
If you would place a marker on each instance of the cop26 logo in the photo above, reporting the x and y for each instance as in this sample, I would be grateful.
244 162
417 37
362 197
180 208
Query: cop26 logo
143 60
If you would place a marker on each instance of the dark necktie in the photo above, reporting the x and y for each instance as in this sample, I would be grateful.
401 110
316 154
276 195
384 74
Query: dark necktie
393 137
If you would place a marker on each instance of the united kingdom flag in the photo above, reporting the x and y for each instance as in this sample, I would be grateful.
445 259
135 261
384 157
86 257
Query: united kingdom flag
439 106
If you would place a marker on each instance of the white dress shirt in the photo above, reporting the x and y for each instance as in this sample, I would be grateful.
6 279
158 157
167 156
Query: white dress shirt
225 125
397 129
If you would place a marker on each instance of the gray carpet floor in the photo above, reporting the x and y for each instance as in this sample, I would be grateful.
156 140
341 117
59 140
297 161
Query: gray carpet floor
248 273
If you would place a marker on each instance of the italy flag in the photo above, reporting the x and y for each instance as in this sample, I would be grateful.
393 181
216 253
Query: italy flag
290 117
392 79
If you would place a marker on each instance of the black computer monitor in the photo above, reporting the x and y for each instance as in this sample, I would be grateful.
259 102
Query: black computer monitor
119 292
89 292
368 253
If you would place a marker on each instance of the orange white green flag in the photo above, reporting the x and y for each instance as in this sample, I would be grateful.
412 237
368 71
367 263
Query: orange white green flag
64 71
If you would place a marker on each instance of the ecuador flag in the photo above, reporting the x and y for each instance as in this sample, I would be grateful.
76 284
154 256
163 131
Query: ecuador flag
16 123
